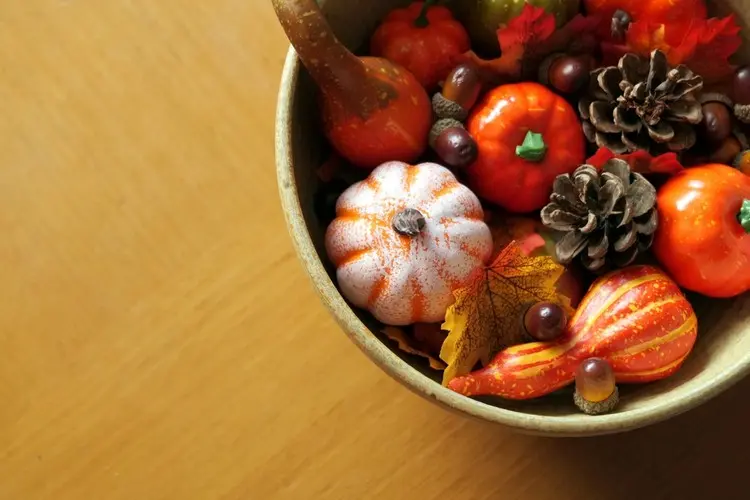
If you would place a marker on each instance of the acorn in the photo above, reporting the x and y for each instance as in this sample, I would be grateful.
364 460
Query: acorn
596 392
456 147
439 126
460 92
565 73
742 162
741 93
728 150
717 124
741 85
545 321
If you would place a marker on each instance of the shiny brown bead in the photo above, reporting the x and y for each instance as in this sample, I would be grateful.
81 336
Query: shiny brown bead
595 380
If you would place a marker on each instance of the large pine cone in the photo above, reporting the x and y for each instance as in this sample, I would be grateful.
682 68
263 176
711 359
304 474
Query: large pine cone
642 104
609 217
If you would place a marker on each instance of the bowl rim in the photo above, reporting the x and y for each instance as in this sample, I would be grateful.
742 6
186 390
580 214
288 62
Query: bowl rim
412 379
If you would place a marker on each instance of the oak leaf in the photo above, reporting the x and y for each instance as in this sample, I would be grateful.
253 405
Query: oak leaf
487 315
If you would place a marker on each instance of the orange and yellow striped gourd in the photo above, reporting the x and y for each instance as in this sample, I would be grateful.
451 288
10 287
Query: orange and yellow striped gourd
636 318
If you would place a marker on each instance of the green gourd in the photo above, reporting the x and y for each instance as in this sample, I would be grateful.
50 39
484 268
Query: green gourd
482 18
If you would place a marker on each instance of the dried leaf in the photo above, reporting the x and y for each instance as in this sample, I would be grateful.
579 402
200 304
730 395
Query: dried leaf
522 33
640 161
488 314
529 234
704 45
411 345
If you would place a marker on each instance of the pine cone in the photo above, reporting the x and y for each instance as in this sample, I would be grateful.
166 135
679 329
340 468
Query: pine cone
642 104
615 208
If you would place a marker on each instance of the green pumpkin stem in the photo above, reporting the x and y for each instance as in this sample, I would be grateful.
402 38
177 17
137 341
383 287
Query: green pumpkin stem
421 21
744 215
533 147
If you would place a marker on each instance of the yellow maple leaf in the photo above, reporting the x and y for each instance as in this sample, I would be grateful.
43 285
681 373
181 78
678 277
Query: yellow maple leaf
487 315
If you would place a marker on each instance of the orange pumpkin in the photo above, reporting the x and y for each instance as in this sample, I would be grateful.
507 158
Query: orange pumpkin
526 136
404 239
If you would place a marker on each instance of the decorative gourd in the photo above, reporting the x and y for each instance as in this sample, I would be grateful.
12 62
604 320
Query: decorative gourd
373 110
637 319
483 17
404 239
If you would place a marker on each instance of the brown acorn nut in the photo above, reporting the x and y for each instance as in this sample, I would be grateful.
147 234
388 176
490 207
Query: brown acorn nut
463 85
741 93
717 124
439 126
565 73
596 392
742 162
456 147
727 151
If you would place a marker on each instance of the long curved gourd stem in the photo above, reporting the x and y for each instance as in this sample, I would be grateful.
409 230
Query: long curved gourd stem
333 67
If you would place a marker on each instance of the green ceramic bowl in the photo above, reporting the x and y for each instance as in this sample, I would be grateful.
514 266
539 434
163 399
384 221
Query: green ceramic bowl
721 356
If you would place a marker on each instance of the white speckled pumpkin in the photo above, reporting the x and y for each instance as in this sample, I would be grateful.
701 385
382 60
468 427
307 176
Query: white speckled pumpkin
404 239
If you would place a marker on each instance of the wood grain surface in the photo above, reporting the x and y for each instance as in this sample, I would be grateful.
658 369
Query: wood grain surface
159 338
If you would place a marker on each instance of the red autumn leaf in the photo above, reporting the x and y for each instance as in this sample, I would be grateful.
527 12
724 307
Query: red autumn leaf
531 27
705 45
640 161
717 42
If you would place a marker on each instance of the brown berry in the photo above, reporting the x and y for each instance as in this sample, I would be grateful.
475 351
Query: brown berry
595 380
456 147
569 74
463 85
741 85
727 151
545 321
717 121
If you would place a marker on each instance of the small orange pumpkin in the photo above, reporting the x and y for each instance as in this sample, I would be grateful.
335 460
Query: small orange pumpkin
404 239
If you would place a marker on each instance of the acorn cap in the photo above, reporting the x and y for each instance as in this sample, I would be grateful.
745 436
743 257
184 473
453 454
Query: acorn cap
716 97
445 108
742 112
597 408
440 125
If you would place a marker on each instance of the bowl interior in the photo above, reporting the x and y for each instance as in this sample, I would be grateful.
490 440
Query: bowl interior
721 355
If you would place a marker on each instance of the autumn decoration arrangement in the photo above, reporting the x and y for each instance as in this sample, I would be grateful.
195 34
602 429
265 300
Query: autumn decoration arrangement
522 193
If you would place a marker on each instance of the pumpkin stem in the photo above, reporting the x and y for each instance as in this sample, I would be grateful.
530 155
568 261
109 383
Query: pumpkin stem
533 147
421 21
744 215
409 222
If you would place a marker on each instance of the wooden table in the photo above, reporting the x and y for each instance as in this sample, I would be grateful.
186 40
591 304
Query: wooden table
159 338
